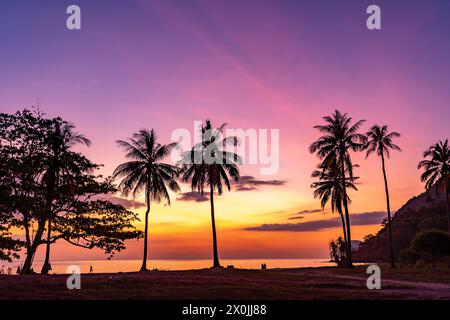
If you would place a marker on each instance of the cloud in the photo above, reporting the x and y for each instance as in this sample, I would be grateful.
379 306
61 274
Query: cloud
192 196
296 218
299 215
309 211
127 204
249 183
360 219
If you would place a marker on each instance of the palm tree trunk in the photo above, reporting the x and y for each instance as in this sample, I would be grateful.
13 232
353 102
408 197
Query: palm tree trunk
144 259
347 216
391 244
344 232
46 266
216 263
51 187
448 202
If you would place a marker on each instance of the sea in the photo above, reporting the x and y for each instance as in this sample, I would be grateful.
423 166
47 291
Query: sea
115 266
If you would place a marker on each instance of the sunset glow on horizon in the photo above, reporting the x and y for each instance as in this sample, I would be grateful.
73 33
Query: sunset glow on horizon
253 65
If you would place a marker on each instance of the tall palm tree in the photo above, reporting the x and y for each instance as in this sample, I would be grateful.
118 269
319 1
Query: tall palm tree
146 173
437 170
339 137
60 163
380 142
209 164
329 189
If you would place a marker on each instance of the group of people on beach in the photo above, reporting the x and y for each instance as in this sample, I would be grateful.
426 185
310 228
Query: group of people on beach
7 272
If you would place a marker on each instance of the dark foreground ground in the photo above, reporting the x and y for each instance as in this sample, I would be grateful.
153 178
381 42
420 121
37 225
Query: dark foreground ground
291 284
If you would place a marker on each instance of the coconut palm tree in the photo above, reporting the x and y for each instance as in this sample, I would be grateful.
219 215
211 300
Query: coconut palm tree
208 164
60 164
340 137
146 173
437 170
329 189
380 142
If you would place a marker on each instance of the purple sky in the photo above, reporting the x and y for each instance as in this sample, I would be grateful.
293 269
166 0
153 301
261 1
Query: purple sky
254 64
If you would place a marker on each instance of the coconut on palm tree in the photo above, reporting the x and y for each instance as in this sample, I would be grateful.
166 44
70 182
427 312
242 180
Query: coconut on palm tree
60 165
340 137
209 164
147 173
380 142
437 170
329 189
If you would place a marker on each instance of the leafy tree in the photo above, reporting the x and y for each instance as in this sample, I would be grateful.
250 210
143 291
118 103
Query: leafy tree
340 137
23 150
380 142
8 246
209 164
409 256
435 242
437 170
25 154
147 173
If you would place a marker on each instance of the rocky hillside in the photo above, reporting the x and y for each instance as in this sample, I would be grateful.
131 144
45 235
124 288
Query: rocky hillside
426 211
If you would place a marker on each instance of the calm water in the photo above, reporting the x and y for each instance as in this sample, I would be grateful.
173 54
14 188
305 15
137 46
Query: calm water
104 266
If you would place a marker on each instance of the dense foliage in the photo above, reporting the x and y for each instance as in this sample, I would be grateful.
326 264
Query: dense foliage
28 203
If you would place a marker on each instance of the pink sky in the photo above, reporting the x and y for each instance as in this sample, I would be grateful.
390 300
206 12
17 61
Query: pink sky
254 64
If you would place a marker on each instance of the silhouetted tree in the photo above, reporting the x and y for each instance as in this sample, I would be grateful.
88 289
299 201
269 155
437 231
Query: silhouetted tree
147 173
437 170
329 189
339 137
60 166
25 154
338 249
209 164
8 247
435 242
380 142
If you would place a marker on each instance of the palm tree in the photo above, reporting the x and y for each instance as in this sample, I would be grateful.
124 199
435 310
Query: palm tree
147 173
208 164
61 163
380 142
339 137
437 170
329 189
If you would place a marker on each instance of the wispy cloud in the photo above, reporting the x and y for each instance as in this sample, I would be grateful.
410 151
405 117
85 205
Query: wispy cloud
309 211
249 183
127 204
296 218
300 214
360 219
192 196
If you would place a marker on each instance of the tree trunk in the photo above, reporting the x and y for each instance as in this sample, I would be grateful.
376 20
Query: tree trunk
216 263
344 232
448 202
46 266
52 184
144 259
26 269
391 244
347 216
